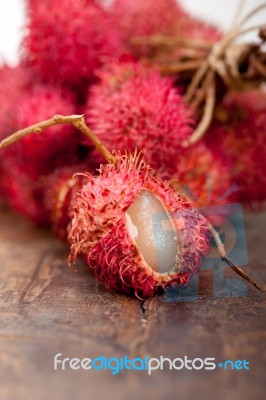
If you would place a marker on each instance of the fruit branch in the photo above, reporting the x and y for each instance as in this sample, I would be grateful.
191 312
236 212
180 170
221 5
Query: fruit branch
236 66
76 120
223 256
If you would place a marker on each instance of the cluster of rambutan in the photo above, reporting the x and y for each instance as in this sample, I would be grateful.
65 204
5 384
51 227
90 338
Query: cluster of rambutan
78 57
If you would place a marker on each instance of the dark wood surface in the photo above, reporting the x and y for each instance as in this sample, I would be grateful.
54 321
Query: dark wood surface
46 309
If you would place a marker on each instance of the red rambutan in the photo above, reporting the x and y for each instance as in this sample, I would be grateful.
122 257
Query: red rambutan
13 80
121 223
134 107
39 153
144 18
28 160
202 175
68 39
61 186
192 28
240 133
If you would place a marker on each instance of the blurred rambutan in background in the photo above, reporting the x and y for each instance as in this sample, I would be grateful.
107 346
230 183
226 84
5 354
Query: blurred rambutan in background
13 81
239 133
40 153
66 40
145 17
28 160
148 18
134 107
203 175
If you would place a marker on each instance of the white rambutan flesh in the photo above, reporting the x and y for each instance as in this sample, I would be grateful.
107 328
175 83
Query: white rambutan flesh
152 229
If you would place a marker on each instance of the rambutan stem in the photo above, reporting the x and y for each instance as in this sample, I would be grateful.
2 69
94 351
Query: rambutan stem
238 13
81 125
216 65
252 13
38 128
171 41
179 67
239 271
208 111
76 120
199 75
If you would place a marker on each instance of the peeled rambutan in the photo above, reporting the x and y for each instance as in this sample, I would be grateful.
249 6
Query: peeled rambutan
137 233
239 131
134 107
68 39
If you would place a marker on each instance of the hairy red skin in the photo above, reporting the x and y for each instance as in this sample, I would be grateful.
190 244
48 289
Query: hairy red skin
27 162
143 18
239 132
125 113
61 188
39 154
67 40
13 81
99 230
203 175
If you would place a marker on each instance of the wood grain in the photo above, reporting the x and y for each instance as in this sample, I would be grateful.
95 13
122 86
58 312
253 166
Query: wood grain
47 308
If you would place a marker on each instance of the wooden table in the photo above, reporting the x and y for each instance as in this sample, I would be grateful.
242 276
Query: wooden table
47 308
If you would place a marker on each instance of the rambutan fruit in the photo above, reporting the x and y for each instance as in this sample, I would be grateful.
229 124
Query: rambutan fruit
25 195
27 161
13 80
66 40
134 107
39 154
239 131
147 18
61 187
193 28
137 233
203 175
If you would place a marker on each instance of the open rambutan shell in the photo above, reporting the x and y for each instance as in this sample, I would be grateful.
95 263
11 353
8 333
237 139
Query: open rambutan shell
107 214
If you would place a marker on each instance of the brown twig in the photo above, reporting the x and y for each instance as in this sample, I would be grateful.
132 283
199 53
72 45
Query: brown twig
75 120
199 75
217 64
182 66
221 250
252 13
208 111
238 13
171 41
